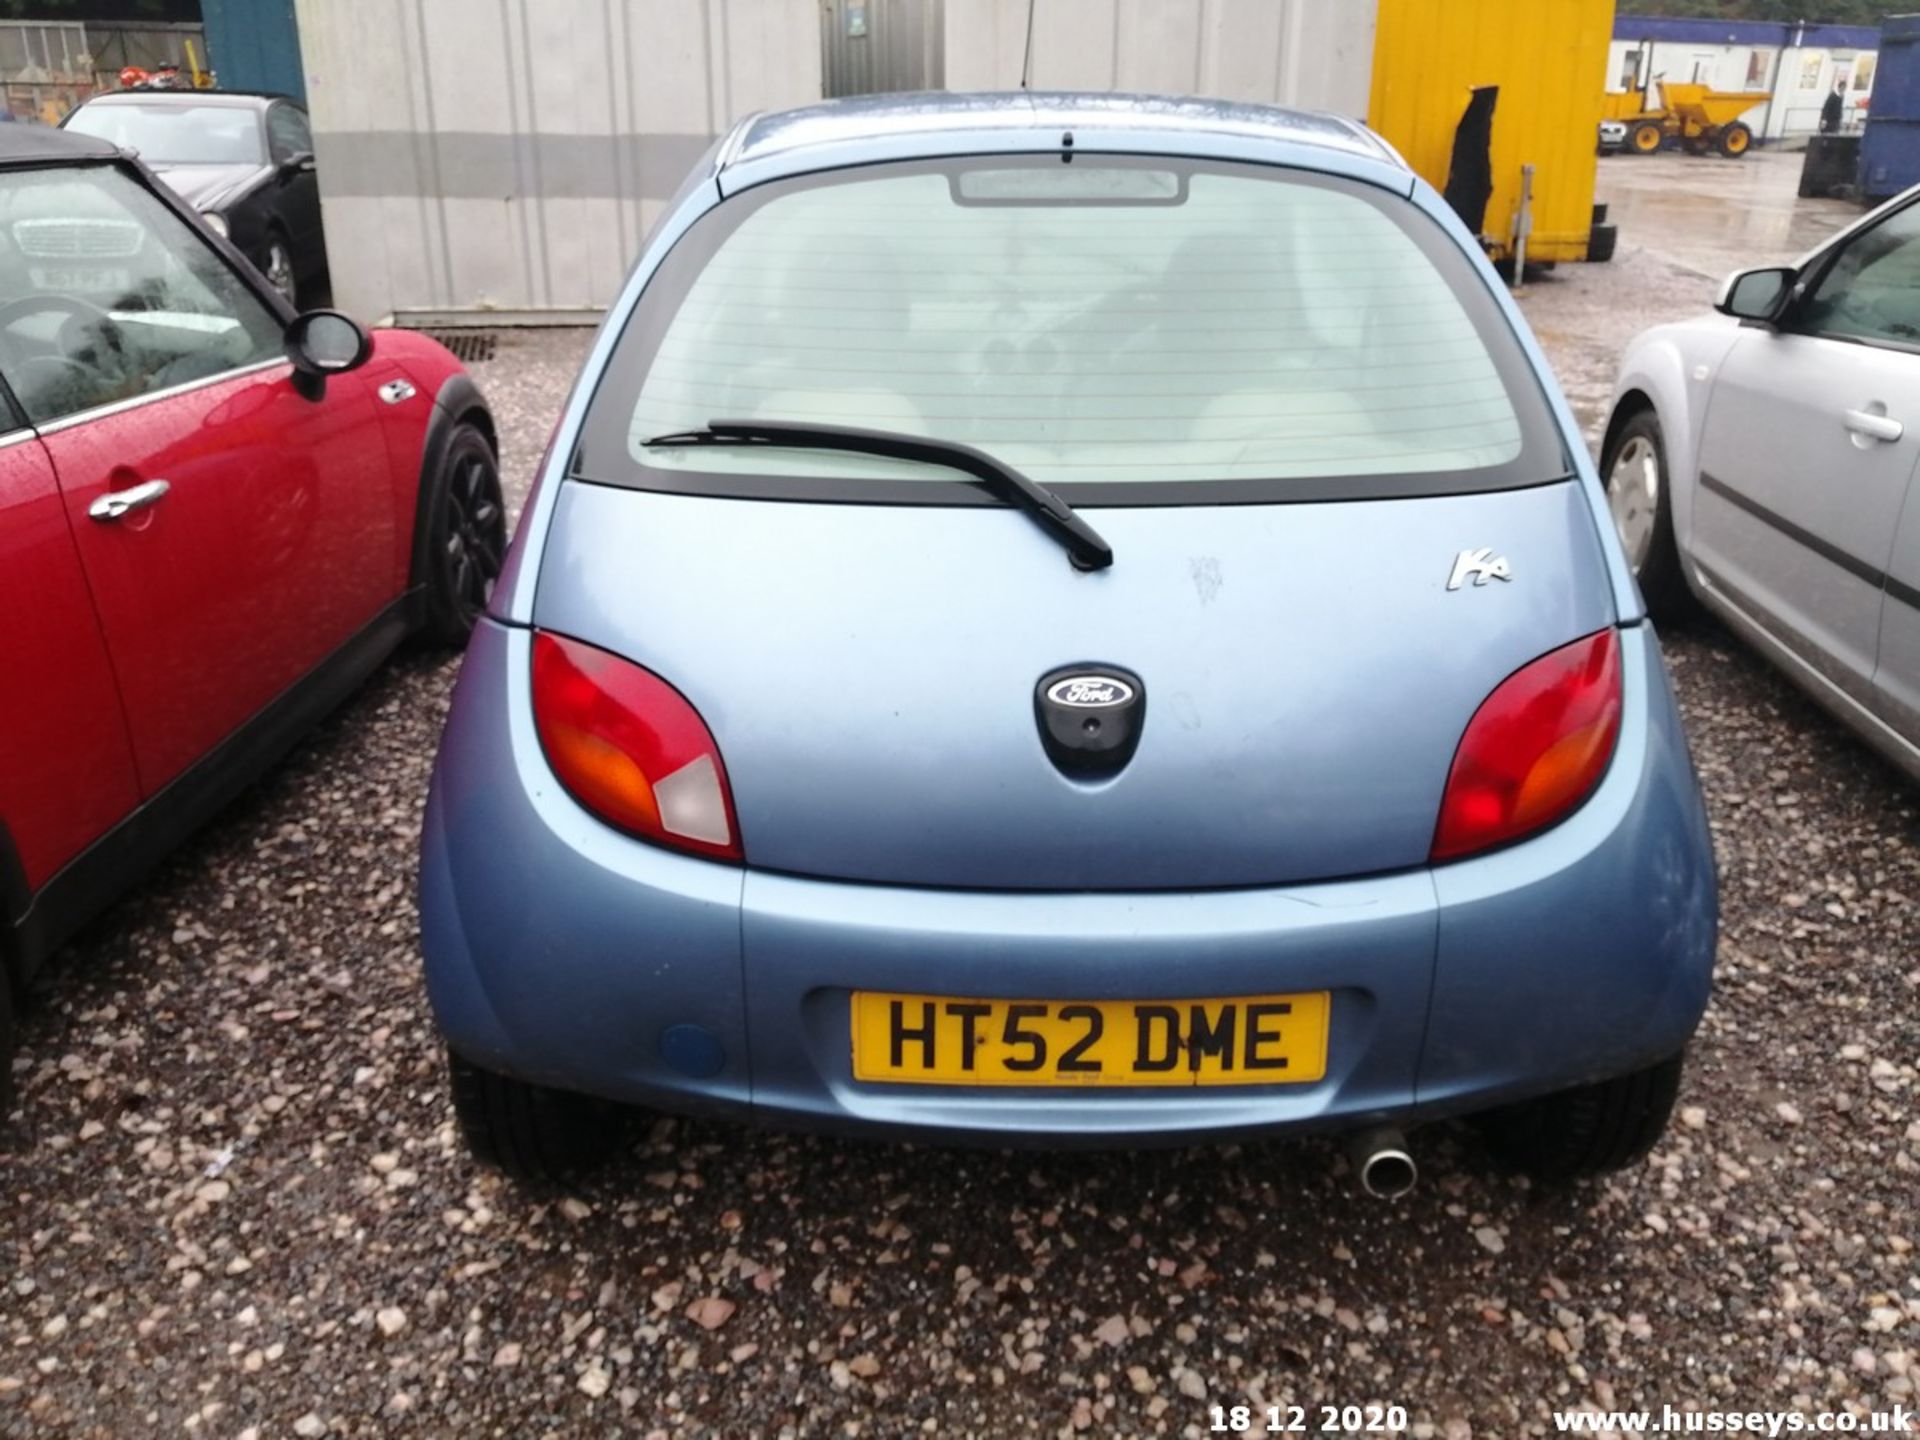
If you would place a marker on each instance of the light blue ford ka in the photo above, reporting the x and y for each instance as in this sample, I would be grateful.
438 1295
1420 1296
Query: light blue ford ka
1066 619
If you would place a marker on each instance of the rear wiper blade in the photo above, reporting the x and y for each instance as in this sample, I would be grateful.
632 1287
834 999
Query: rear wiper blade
1082 542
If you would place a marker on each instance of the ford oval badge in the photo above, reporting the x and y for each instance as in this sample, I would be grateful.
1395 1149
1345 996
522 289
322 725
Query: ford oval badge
1090 692
1090 716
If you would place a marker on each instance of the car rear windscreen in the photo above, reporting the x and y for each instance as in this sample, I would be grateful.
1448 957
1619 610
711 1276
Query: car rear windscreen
167 133
1110 326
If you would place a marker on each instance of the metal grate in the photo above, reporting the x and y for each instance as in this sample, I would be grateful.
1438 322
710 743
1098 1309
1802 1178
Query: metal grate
468 346
78 239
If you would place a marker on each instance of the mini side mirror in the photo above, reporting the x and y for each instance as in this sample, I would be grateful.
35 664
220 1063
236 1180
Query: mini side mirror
1755 294
322 343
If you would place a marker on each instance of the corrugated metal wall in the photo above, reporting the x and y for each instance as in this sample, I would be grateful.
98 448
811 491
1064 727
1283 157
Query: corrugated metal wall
872 46
49 67
1316 54
508 155
44 69
32 50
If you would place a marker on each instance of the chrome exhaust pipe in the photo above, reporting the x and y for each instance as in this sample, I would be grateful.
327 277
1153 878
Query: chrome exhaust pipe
1383 1163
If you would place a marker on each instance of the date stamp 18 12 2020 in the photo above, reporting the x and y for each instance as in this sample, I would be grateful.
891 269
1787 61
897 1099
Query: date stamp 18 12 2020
1308 1419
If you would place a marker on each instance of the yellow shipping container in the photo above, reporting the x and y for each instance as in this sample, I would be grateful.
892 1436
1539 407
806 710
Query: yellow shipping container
1549 60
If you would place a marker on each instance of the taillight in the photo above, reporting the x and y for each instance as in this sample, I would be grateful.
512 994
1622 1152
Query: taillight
1534 749
629 747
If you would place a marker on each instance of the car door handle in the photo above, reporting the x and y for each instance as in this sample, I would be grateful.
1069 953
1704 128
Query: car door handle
116 503
1878 427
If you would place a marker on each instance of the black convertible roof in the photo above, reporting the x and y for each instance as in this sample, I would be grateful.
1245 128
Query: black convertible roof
25 144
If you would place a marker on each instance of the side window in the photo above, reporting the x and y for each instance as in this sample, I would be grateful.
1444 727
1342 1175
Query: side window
288 133
1872 290
105 294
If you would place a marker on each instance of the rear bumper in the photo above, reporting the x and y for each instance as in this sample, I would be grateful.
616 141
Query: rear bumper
567 954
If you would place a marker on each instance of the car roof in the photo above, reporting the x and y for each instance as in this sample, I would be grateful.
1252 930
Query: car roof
936 114
23 143
237 99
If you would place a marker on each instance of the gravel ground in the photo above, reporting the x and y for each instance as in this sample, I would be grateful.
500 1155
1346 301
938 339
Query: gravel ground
233 1204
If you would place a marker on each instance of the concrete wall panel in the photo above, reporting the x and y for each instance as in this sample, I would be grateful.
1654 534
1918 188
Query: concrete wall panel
1315 54
508 155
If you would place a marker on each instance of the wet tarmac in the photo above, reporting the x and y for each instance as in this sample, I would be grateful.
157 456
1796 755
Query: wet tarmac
1686 222
1712 215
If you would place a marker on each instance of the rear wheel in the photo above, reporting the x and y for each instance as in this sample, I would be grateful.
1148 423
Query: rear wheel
1588 1130
1646 137
1735 140
529 1131
467 537
6 1040
1638 493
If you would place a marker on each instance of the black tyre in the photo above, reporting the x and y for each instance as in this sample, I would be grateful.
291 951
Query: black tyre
1646 138
1602 240
466 537
6 1040
530 1132
1735 140
1588 1130
1634 467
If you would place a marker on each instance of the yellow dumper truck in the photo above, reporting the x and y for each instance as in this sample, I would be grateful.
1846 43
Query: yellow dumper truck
1703 120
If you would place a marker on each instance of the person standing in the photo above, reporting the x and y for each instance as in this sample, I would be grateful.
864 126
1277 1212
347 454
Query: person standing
1830 111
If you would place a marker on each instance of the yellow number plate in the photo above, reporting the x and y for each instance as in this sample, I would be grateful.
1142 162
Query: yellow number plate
940 1040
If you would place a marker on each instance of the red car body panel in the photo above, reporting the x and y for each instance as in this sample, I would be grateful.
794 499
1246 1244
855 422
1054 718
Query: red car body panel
273 546
140 644
426 365
66 769
424 360
157 656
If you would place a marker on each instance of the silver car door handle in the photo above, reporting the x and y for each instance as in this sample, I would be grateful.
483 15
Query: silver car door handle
1880 427
115 503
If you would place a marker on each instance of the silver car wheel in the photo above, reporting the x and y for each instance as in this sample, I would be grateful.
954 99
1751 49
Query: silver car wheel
1633 494
280 269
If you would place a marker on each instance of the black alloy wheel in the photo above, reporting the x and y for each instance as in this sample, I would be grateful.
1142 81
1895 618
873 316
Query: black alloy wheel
469 540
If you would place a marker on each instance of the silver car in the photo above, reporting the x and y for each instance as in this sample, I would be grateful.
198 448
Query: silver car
1761 462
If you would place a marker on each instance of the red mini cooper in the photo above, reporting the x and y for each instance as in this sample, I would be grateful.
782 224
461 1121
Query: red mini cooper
216 519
